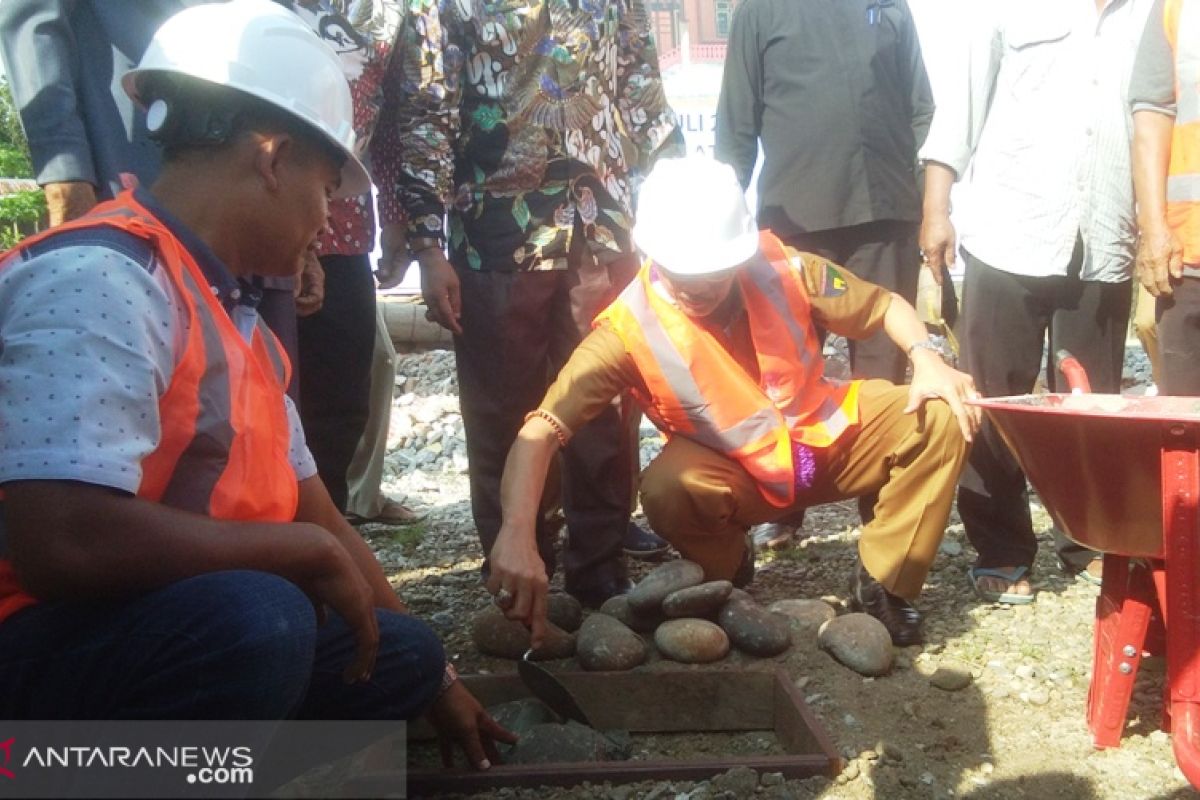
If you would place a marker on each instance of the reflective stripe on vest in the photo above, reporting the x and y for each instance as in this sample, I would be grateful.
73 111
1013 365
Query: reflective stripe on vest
224 432
695 388
1181 20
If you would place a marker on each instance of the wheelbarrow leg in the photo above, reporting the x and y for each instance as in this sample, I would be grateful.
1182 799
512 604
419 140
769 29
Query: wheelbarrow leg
1181 606
1122 617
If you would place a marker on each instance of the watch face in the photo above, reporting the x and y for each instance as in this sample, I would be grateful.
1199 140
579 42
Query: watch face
156 115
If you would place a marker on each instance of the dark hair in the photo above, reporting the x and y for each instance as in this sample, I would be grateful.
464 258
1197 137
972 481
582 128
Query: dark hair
207 117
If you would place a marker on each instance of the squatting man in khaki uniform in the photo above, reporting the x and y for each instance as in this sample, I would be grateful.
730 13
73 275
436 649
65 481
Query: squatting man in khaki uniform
716 339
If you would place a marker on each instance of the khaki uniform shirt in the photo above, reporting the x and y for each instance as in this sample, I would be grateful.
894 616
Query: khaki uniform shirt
601 369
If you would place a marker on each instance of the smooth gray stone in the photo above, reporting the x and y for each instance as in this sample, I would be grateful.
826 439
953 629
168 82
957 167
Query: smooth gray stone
520 717
552 743
604 643
670 577
564 611
691 641
754 630
618 608
702 600
496 635
950 678
805 616
860 642
741 594
737 782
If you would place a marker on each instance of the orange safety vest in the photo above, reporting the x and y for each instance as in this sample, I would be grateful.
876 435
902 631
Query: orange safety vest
1182 23
695 388
223 449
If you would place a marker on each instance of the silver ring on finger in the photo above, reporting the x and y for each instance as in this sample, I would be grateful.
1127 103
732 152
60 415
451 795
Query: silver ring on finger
503 599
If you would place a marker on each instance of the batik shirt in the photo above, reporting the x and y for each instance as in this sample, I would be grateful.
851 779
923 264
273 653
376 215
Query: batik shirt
529 122
361 32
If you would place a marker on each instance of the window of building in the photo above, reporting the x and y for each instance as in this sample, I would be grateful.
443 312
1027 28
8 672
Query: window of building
724 15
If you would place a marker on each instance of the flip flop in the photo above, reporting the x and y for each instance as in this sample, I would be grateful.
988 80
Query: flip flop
392 513
1091 574
1011 575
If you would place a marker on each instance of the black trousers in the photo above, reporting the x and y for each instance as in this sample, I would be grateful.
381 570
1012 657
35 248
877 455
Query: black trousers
519 328
1179 336
885 253
336 345
1005 321
278 309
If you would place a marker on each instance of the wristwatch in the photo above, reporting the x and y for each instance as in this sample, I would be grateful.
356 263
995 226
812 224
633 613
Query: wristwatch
419 244
448 678
925 344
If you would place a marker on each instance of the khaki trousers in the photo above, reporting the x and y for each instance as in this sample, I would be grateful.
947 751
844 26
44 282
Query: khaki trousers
703 502
365 473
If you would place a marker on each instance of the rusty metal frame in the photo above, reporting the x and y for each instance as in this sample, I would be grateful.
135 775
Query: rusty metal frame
650 701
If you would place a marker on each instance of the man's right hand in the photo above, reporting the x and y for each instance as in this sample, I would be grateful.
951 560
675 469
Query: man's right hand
440 288
938 243
68 200
332 579
518 570
1159 260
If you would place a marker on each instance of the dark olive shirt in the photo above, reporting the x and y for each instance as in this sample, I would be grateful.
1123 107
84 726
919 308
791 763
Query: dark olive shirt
837 92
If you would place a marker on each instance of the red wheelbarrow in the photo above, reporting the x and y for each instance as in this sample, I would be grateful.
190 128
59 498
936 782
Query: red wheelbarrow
1121 475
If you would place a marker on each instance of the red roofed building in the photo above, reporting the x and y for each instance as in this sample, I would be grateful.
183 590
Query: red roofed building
690 30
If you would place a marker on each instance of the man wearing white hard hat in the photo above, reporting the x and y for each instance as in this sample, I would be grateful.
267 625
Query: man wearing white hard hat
716 338
165 537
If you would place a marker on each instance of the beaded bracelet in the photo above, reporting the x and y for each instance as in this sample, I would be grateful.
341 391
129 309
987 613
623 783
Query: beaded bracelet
552 421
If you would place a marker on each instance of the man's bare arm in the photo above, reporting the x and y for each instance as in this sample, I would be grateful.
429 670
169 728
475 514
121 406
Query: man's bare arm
939 242
516 564
76 541
1160 254
317 507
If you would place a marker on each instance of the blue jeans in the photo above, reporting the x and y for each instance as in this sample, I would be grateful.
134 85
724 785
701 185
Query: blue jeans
227 645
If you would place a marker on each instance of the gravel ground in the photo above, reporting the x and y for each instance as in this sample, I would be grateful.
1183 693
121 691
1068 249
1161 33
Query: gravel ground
1018 729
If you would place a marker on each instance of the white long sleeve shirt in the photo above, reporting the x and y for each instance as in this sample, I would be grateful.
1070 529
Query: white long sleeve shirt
1038 129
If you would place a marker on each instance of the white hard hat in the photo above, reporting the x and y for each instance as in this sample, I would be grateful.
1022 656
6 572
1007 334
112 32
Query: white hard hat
692 217
260 48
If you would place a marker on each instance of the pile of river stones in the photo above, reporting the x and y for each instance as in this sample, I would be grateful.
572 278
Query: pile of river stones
689 620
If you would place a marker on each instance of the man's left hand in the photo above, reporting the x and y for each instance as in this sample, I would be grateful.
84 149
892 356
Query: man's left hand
461 720
934 378
310 292
395 258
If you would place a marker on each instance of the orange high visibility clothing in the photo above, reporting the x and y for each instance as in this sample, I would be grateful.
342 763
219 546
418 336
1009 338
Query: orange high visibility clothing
695 387
1182 22
224 440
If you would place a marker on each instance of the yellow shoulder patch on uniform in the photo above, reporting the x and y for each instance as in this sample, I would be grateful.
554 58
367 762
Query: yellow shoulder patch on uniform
832 283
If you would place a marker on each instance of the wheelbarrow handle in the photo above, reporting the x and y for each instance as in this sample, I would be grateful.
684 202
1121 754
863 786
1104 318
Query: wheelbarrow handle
1073 371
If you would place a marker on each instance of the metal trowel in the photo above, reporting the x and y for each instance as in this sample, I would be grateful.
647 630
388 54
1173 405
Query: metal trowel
549 690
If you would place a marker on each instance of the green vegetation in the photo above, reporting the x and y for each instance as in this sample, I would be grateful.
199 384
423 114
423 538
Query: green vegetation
404 537
407 537
21 213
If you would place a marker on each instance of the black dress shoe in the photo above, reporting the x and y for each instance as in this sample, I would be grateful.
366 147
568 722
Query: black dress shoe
899 616
593 595
642 544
